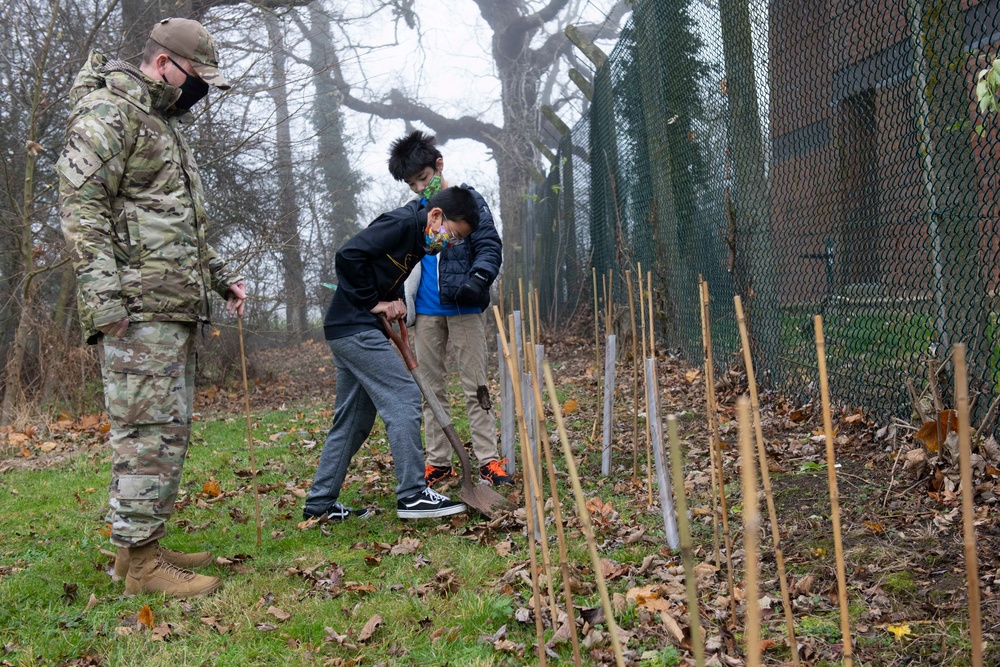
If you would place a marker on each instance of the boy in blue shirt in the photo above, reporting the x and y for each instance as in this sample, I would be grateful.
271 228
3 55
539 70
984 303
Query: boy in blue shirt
447 294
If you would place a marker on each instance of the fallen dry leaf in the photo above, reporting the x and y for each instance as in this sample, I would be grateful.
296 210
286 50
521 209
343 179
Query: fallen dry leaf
145 616
211 489
278 613
370 627
672 626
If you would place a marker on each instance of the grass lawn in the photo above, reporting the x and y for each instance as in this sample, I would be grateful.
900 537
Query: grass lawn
431 589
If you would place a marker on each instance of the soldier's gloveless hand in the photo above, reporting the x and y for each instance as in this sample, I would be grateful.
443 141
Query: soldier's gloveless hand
236 298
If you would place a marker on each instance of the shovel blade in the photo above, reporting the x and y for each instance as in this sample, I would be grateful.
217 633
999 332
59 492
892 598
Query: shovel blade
484 499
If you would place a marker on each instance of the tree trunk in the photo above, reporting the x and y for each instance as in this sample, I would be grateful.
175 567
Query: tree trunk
288 210
14 391
342 183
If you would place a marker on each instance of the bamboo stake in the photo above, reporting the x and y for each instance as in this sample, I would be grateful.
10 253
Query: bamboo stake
751 537
532 316
581 508
604 294
711 441
765 476
507 411
253 457
690 578
968 511
538 322
536 486
652 326
635 383
642 313
520 293
831 474
536 594
597 354
609 320
500 292
713 412
652 355
560 533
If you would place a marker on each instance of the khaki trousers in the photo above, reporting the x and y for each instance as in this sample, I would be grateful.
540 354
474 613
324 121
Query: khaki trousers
463 337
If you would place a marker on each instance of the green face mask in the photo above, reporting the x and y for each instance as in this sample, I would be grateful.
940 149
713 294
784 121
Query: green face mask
433 187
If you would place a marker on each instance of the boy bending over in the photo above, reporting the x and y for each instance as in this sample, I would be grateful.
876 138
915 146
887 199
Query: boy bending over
371 376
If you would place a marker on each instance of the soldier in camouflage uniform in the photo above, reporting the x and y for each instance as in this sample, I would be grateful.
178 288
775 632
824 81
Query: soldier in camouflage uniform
133 213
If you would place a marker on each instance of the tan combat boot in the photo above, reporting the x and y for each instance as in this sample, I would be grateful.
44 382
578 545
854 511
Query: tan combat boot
149 572
182 560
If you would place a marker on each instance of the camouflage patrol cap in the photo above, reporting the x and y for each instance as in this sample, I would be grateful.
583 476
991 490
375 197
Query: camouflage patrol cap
189 39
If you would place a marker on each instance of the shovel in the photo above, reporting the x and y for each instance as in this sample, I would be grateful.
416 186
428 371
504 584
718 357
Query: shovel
481 497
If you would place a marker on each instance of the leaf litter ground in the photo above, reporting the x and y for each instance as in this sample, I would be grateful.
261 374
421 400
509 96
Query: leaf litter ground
389 592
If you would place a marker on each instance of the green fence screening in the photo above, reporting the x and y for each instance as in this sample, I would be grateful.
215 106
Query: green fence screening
813 157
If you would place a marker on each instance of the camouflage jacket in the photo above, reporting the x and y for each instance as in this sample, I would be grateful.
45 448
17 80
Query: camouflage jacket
132 203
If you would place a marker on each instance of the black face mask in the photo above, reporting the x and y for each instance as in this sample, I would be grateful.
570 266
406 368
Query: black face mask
192 90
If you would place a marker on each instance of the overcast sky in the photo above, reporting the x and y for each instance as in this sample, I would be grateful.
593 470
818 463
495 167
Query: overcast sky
450 67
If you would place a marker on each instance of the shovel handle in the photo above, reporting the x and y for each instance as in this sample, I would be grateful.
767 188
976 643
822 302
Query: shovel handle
402 341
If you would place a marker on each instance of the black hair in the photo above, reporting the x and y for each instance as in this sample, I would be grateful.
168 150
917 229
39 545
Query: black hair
457 204
409 155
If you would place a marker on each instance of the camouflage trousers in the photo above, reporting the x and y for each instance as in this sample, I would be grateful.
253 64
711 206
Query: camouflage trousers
149 392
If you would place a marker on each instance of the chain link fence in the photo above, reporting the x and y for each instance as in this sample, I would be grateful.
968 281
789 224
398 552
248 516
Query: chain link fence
812 157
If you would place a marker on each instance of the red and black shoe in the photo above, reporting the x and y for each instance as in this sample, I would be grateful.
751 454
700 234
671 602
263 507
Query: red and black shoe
434 474
494 473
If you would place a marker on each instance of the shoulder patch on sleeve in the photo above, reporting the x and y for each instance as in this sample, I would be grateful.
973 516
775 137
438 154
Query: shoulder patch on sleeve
90 142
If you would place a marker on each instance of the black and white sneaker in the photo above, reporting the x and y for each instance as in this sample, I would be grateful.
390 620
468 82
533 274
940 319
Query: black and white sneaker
426 505
336 512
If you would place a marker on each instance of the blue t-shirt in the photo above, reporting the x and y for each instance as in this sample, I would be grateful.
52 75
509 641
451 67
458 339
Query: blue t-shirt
428 301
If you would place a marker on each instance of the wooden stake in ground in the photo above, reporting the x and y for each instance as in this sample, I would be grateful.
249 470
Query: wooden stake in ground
597 353
968 511
831 474
765 477
533 506
560 533
635 383
687 555
642 317
584 513
526 477
751 537
711 443
528 417
253 458
500 293
716 441
507 412
656 443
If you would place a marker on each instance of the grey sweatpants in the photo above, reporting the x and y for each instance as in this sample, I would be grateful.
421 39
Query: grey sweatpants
371 378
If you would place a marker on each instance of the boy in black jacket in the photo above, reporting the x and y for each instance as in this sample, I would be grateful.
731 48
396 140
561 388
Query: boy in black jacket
371 376
445 298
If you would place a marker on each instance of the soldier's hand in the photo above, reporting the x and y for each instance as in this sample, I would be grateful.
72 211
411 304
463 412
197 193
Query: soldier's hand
116 329
236 298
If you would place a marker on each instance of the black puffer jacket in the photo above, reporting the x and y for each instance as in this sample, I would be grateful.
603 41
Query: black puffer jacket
482 253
